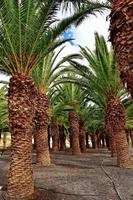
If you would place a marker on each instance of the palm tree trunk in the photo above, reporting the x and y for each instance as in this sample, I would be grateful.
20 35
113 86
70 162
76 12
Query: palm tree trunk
121 36
103 139
21 105
87 140
94 141
49 136
112 145
115 124
98 139
62 138
55 135
107 141
41 133
0 134
74 132
131 136
128 136
82 136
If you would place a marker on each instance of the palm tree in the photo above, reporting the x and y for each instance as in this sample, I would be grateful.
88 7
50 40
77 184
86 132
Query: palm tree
71 95
58 119
27 34
101 77
121 37
43 75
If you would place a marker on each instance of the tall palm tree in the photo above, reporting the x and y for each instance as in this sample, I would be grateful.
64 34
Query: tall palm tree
43 75
121 36
27 34
102 77
59 119
71 95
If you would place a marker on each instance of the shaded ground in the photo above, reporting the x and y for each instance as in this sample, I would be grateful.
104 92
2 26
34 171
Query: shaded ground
79 177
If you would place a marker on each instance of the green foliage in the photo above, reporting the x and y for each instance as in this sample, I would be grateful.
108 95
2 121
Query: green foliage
28 32
3 108
49 70
70 5
100 77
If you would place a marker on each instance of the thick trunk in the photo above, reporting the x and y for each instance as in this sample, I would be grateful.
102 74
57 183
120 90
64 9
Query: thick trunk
49 136
123 159
87 140
121 36
98 139
21 106
74 132
94 141
70 138
112 144
115 124
41 133
131 136
128 137
55 135
82 137
62 138
107 142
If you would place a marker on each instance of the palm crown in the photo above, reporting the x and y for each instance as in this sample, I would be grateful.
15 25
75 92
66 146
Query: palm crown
28 31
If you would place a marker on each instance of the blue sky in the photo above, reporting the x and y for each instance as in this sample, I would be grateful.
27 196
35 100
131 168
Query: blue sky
84 34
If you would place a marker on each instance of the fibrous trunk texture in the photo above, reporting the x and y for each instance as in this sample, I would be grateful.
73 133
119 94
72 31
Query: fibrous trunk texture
62 138
115 124
121 36
74 132
55 135
21 105
82 136
41 130
128 135
112 144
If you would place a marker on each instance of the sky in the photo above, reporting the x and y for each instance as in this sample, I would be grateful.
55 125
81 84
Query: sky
84 34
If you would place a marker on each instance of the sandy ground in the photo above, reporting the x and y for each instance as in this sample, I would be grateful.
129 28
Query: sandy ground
91 176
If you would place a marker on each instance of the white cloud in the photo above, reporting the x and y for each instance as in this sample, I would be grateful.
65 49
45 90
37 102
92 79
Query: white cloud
84 34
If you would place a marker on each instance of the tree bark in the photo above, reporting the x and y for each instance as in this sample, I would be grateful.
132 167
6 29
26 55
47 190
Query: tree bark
112 145
121 36
62 138
131 136
41 133
107 141
94 141
21 105
49 137
87 140
115 124
74 132
55 135
82 137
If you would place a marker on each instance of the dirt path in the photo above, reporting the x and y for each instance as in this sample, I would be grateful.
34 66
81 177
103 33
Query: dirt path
79 177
